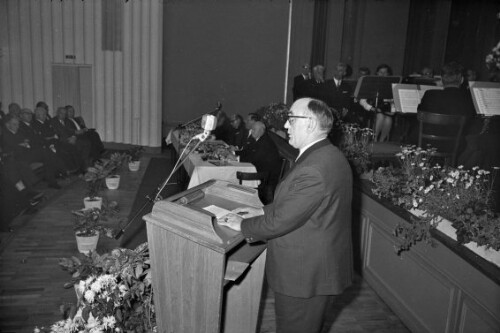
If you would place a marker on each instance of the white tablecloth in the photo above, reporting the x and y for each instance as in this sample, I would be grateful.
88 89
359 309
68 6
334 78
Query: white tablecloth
201 171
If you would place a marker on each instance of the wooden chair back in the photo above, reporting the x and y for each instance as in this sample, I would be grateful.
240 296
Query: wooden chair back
444 120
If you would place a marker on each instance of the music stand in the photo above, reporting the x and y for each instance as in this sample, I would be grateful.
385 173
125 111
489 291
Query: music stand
376 87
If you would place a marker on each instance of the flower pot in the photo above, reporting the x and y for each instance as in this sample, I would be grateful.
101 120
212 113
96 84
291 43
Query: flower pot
95 202
134 165
113 182
86 244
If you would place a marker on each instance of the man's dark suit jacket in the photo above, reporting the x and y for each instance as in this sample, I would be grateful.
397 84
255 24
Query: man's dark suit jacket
308 226
450 101
453 101
299 87
63 130
264 155
338 97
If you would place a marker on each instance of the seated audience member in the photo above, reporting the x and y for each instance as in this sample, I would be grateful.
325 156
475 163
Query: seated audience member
427 72
67 152
364 71
66 134
15 110
452 100
384 110
315 88
264 155
18 146
239 133
299 82
252 118
338 92
223 129
78 124
470 76
16 193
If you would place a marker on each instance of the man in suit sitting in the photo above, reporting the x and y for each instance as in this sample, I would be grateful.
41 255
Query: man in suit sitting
68 135
265 156
17 145
308 225
78 125
452 100
338 92
300 80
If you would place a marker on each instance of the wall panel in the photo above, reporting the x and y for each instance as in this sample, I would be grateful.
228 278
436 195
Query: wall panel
126 85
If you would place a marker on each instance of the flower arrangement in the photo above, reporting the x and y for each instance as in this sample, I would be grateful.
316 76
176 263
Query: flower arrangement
493 58
461 196
88 222
115 291
274 115
355 144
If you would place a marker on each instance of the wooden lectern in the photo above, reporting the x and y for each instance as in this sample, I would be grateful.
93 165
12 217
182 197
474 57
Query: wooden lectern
206 278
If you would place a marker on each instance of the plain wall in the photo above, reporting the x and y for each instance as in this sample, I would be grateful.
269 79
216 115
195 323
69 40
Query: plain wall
232 51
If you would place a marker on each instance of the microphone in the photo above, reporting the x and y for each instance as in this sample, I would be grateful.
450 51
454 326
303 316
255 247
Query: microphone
208 123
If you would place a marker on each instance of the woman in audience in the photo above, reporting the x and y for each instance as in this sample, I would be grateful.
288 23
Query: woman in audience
384 110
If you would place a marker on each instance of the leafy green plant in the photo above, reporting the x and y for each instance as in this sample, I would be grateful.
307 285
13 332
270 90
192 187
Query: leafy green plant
88 222
116 293
461 196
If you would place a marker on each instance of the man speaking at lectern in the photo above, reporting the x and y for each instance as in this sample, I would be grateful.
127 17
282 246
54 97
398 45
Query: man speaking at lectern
308 225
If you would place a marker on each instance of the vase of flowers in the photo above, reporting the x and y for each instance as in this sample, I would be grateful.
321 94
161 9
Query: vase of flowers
116 289
493 63
356 143
274 117
460 196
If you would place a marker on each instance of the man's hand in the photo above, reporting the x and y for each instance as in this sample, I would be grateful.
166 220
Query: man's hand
232 221
248 212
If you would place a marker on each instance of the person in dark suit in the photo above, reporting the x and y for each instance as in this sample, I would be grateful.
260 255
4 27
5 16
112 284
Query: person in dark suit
239 132
68 135
308 225
15 144
64 150
264 155
452 100
78 124
338 92
300 80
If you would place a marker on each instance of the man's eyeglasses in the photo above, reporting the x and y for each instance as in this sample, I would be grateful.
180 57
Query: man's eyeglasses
291 118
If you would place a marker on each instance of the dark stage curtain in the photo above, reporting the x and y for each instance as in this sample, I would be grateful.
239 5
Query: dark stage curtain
320 25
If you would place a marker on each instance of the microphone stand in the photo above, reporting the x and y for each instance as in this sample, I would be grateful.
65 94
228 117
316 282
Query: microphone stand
217 109
156 194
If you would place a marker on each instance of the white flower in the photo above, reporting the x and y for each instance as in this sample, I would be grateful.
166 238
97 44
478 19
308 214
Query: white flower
109 322
96 286
89 296
415 203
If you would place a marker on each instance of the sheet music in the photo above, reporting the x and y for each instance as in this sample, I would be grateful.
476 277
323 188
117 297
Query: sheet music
486 96
407 97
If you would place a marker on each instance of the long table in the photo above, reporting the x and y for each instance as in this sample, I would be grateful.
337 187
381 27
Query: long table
201 171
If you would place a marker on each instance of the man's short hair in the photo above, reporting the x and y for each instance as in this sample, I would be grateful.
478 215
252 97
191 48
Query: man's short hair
322 113
254 116
451 73
381 66
43 105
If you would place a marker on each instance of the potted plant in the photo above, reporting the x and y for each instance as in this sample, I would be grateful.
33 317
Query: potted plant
95 178
117 293
88 225
115 162
134 159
